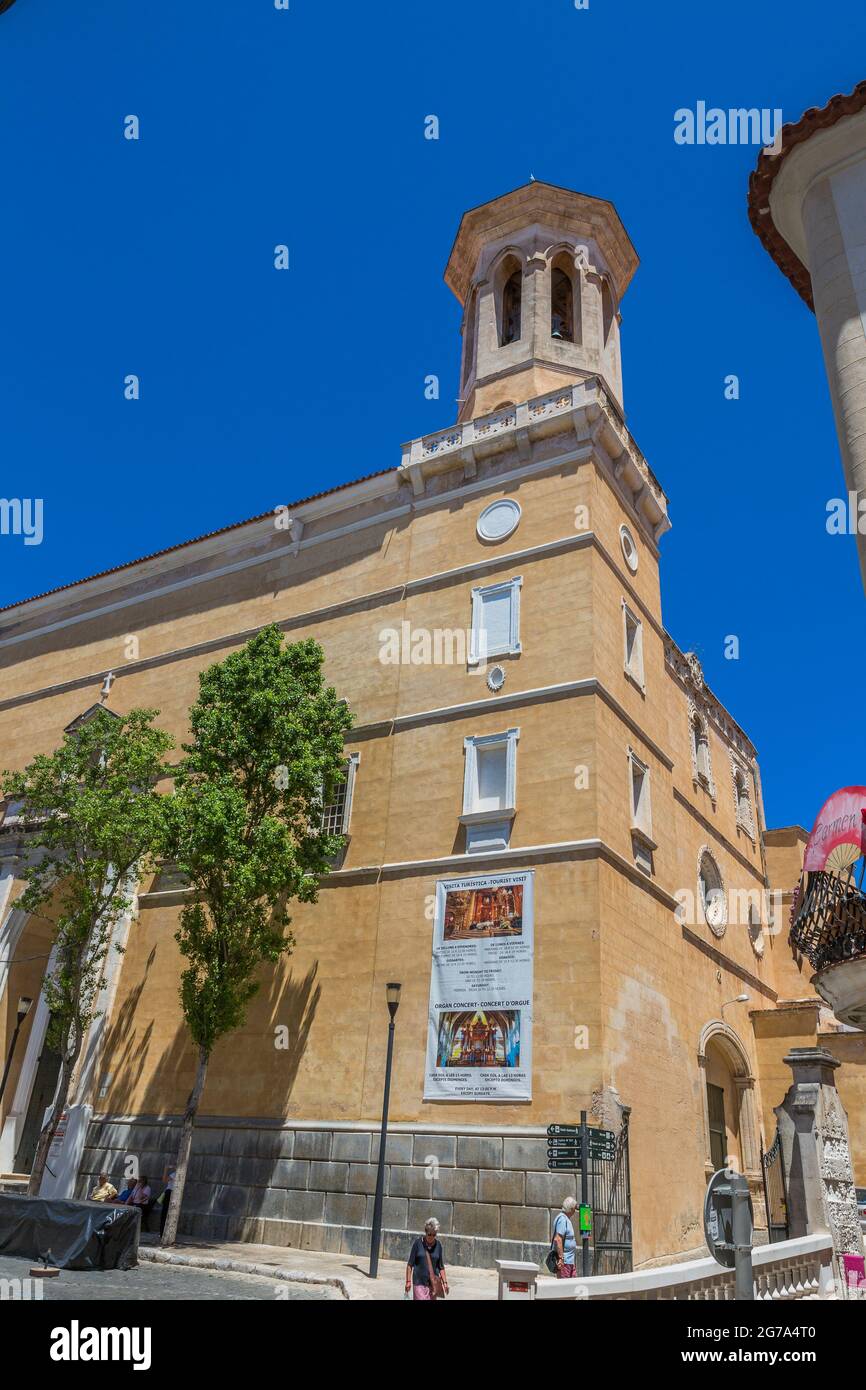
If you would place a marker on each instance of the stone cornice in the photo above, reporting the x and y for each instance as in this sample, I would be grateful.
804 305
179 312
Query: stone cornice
686 667
584 410
358 602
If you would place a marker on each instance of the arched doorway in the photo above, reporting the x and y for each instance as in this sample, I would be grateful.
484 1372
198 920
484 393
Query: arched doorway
728 1096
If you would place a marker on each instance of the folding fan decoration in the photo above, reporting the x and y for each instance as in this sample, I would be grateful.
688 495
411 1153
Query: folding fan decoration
828 915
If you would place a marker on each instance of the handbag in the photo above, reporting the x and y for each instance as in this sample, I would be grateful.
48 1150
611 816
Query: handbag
437 1288
551 1259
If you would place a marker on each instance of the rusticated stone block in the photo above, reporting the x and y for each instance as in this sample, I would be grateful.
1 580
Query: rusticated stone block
460 1250
269 1203
345 1208
550 1189
283 1233
290 1172
398 1148
362 1178
475 1219
395 1213
328 1177
231 1201
253 1231
475 1151
529 1154
240 1142
409 1182
320 1237
305 1206
456 1184
207 1140
355 1240
500 1187
354 1146
441 1147
313 1143
275 1143
526 1223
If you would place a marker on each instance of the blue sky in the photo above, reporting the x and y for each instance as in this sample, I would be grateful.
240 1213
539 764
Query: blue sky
306 127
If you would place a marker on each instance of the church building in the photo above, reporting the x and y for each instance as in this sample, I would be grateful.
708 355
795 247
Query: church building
554 831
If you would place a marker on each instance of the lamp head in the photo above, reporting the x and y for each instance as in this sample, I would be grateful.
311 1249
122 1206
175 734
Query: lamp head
392 994
24 1007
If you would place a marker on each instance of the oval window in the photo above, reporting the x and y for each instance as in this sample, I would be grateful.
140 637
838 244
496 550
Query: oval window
629 549
498 520
712 894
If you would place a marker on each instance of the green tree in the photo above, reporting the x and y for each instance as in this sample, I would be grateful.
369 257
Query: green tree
244 827
98 819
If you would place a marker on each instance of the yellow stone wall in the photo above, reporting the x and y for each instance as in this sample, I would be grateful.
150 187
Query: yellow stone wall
611 954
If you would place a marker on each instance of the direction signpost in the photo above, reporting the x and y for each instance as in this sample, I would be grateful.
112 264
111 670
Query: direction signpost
566 1147
564 1143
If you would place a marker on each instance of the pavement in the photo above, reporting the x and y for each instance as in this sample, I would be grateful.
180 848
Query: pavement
346 1275
152 1283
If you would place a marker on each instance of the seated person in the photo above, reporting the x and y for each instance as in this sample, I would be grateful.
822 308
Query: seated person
104 1191
140 1194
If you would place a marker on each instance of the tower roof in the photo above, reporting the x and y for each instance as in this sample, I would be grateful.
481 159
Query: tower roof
769 166
545 203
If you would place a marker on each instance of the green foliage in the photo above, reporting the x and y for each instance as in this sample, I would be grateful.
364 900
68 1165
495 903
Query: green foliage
97 817
244 820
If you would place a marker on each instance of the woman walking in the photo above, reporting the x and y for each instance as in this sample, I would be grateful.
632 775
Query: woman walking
425 1272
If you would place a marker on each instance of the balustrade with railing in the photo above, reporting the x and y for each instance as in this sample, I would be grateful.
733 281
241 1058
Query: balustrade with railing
786 1271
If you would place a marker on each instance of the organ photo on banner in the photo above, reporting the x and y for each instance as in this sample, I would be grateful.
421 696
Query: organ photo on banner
479 1041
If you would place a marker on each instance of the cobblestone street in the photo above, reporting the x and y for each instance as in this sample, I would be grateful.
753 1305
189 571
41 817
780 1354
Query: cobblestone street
162 1283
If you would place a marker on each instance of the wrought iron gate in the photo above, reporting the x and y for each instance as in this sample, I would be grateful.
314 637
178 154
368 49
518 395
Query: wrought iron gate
610 1197
775 1195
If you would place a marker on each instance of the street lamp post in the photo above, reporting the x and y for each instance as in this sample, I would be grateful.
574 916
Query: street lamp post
740 999
392 994
24 1007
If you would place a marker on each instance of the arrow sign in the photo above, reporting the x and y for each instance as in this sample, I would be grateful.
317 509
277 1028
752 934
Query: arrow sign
556 1165
553 1130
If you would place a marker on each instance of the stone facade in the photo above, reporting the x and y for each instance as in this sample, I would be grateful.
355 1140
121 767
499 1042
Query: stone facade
637 989
313 1188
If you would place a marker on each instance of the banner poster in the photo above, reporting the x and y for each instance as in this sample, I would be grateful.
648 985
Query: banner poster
479 1038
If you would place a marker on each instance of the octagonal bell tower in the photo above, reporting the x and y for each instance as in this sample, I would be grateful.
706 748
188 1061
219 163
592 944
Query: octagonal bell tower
540 273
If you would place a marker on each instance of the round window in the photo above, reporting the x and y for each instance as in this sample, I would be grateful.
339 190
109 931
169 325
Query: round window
496 678
629 549
712 894
498 520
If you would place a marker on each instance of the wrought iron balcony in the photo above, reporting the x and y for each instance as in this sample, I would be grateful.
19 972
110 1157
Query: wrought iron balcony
828 918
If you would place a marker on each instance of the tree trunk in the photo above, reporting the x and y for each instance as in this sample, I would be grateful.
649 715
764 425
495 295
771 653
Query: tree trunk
47 1134
169 1235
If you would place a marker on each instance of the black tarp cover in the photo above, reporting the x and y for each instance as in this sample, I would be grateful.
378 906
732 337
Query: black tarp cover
71 1235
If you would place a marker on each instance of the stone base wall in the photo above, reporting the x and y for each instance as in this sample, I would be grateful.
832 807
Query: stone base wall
313 1188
